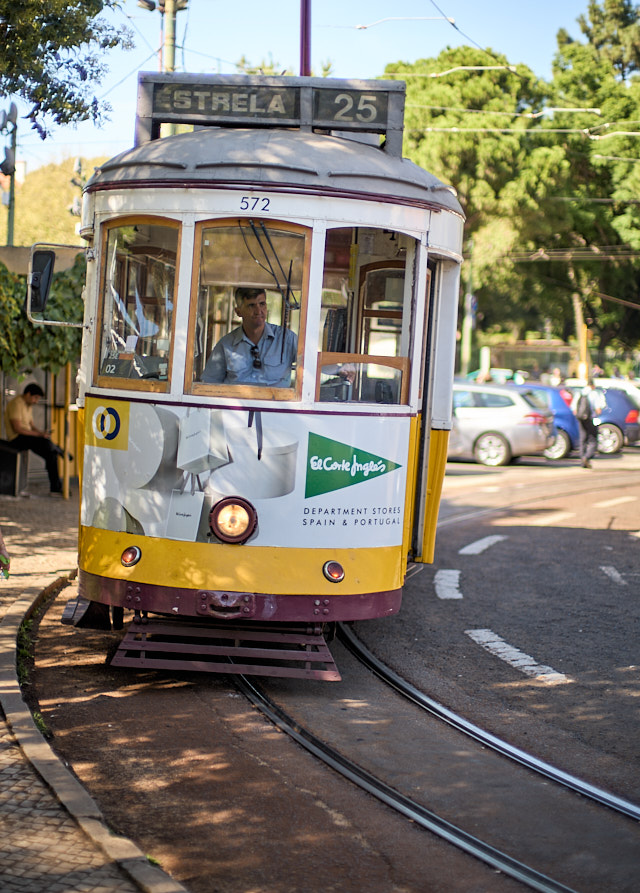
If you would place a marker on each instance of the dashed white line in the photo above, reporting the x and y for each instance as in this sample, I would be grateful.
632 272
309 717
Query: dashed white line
480 545
447 583
609 502
613 574
494 644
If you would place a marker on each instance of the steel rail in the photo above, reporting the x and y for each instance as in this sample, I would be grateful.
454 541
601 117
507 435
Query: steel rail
397 801
411 693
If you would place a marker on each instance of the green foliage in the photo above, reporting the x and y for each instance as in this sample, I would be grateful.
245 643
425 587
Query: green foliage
550 211
613 30
42 205
52 57
23 346
269 67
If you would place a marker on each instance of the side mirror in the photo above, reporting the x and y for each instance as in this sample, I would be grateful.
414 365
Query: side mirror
39 280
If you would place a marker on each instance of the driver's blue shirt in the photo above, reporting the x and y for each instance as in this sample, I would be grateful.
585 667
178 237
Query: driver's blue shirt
231 360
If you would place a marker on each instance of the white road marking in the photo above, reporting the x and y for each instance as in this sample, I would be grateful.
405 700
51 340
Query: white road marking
480 545
447 584
553 518
492 643
609 502
613 574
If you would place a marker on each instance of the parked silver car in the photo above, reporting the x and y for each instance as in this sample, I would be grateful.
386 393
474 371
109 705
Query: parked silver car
495 423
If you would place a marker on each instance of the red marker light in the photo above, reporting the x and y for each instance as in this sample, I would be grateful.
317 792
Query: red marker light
333 571
131 556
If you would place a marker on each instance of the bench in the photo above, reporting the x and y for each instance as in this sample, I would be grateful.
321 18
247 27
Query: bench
14 469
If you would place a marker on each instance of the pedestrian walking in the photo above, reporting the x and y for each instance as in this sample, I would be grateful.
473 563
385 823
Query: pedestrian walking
587 405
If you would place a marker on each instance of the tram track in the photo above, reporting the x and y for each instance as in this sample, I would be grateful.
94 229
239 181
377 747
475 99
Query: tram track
609 815
424 702
410 808
566 842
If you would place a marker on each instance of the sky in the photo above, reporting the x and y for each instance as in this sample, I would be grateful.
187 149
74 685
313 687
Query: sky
212 35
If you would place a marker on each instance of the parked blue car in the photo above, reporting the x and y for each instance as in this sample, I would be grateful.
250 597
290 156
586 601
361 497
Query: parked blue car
619 423
567 427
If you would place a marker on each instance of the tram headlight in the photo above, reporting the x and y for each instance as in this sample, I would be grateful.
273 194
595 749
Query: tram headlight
333 571
131 556
233 520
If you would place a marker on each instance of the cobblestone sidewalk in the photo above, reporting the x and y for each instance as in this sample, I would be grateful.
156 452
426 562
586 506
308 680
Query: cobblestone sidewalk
52 836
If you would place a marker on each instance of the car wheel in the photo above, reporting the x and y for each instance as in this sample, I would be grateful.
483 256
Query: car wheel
560 447
610 439
492 449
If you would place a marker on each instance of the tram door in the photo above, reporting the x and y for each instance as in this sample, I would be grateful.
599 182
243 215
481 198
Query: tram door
366 324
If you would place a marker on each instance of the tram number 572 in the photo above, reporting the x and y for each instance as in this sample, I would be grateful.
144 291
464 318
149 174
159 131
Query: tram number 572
255 203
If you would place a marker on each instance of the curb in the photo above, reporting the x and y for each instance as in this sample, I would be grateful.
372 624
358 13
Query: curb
37 751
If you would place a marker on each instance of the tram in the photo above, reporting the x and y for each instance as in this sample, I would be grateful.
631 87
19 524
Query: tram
256 509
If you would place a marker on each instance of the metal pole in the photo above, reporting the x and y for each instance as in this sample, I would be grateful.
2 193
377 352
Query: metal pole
170 35
12 190
305 38
467 320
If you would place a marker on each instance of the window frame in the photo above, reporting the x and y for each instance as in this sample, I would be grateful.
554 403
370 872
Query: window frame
328 358
246 391
111 381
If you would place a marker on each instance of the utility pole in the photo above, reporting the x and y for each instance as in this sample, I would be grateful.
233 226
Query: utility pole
468 318
168 10
305 38
8 124
170 35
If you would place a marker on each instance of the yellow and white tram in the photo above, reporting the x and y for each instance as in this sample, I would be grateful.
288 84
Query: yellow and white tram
250 501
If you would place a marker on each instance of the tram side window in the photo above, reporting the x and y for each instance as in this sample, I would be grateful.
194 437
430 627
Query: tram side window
366 318
138 297
246 323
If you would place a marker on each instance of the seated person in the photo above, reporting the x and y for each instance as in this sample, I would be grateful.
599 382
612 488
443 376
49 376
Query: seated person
23 434
257 352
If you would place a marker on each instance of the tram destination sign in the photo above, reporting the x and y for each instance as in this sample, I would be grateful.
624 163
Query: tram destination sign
237 100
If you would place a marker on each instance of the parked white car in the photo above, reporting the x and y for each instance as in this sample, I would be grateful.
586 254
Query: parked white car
494 424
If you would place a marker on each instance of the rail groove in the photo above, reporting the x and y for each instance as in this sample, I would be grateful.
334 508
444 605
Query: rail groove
391 678
419 814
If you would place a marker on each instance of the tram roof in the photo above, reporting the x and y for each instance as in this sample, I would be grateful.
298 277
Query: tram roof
276 159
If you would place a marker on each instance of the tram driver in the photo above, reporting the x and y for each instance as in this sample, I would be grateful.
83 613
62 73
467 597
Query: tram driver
256 352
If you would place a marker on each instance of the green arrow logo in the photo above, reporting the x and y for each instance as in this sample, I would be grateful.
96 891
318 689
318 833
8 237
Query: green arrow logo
332 465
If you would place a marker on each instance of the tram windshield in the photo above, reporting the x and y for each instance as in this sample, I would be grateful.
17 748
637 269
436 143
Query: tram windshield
247 318
366 319
137 301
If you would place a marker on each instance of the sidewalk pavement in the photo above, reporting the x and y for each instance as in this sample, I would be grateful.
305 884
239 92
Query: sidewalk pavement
53 837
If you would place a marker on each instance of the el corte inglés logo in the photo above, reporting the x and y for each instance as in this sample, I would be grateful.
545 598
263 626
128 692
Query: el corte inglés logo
332 465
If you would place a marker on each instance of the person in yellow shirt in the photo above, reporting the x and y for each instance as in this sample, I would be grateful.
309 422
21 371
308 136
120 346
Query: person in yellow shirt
23 435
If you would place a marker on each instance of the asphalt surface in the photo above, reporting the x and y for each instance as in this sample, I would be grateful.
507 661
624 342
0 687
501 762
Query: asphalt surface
53 837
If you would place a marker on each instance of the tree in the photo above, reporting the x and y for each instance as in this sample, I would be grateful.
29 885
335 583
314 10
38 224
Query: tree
43 201
24 346
613 30
552 214
602 189
481 131
52 56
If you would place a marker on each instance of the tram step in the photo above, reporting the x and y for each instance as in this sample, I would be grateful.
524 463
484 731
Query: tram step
171 645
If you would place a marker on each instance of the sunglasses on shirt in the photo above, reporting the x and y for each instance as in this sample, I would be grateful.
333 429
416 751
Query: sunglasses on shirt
257 362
